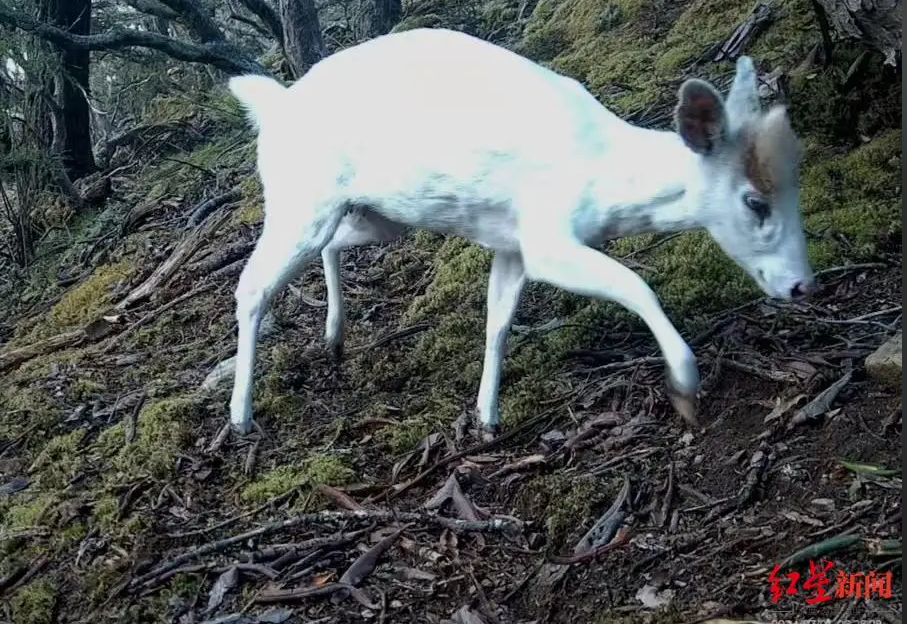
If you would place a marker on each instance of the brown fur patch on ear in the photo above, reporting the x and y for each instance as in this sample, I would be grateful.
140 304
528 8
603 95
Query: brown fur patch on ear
771 152
700 116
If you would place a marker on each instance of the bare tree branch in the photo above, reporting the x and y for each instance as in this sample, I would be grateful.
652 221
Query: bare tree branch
216 52
153 8
193 14
266 13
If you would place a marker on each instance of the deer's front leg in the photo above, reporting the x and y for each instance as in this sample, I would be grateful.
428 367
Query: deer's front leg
566 263
505 284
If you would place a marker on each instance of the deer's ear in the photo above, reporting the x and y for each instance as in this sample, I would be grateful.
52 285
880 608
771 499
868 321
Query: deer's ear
700 117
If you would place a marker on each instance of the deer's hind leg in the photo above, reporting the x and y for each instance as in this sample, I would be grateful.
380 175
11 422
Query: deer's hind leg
282 252
359 226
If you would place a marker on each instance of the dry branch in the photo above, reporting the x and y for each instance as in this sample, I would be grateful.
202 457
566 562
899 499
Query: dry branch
734 45
876 23
214 52
499 524
210 205
66 340
183 251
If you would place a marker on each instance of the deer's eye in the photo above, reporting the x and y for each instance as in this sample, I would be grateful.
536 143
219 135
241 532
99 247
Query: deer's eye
759 206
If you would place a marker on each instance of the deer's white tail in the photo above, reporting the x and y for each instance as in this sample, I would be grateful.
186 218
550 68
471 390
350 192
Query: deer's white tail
260 96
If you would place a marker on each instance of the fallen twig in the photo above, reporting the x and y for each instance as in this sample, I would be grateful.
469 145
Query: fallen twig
502 524
180 254
272 501
12 357
116 340
770 375
669 496
366 563
33 570
622 537
394 490
757 467
210 205
289 595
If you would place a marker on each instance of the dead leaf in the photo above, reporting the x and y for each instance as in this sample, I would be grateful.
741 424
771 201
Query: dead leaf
465 615
801 369
415 574
226 582
782 407
448 541
340 498
319 580
366 563
822 403
796 516
13 485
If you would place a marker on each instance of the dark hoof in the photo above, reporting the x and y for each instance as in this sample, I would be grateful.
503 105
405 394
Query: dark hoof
686 404
488 433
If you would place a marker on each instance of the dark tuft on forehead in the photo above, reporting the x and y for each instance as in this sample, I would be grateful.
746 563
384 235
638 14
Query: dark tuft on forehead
770 152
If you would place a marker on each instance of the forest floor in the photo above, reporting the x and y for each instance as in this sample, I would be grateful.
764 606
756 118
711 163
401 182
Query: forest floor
360 497
123 503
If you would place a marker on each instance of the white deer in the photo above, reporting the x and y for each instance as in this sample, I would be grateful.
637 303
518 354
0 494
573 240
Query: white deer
436 129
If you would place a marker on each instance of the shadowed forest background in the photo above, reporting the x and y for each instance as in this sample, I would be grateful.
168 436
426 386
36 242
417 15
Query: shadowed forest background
129 203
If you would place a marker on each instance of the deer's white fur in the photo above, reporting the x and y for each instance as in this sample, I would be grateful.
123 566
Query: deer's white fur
435 129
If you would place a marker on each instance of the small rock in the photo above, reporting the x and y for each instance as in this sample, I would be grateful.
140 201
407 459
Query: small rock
826 504
552 440
651 598
687 438
884 365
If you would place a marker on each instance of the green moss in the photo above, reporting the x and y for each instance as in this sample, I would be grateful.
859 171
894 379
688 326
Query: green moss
857 195
461 277
35 603
69 537
566 504
84 303
83 389
162 430
323 468
250 210
24 408
60 459
27 510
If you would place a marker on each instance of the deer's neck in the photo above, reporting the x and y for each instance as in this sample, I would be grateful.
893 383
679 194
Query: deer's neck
652 188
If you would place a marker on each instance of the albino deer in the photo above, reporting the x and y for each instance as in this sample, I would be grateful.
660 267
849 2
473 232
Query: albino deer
435 129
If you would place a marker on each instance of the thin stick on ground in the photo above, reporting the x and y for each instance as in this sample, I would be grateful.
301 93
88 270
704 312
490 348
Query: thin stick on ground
116 340
393 491
500 524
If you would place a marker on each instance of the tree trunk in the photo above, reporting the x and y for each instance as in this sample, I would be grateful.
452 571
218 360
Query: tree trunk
875 22
78 159
301 35
380 16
